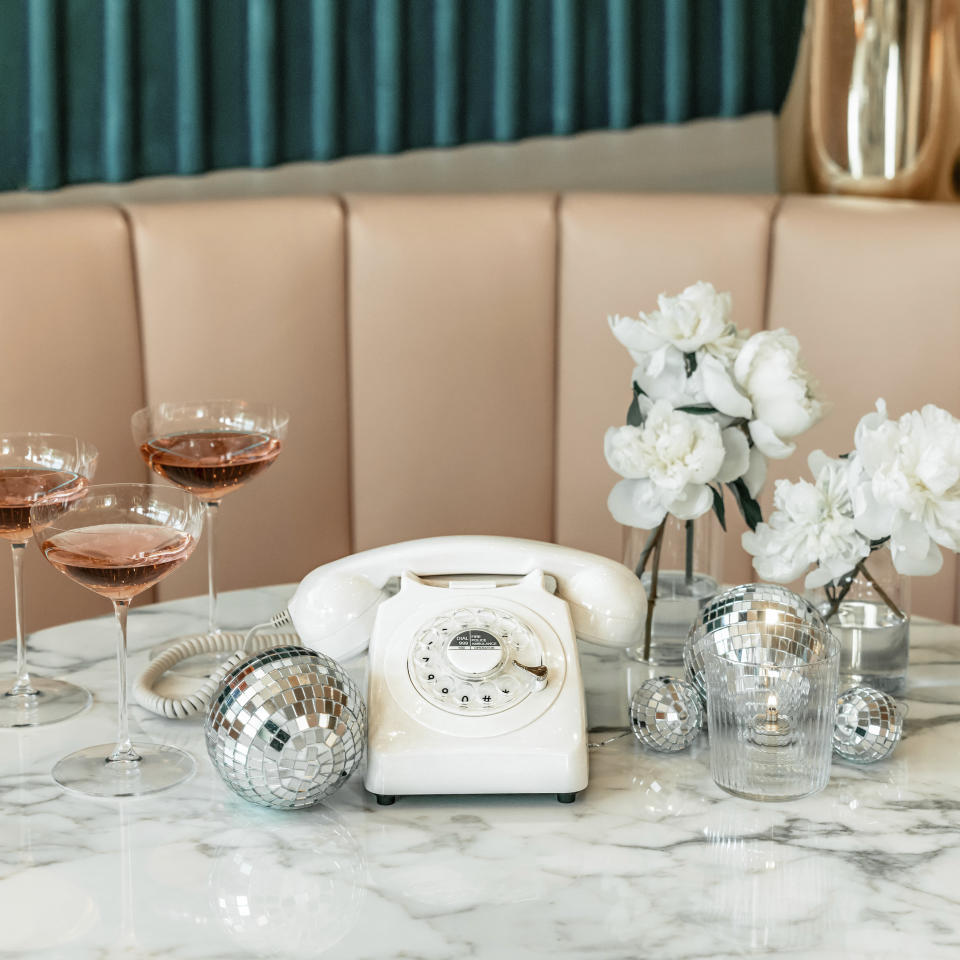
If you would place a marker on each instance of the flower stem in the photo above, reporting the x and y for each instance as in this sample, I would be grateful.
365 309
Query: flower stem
645 553
688 559
652 596
897 612
839 596
861 568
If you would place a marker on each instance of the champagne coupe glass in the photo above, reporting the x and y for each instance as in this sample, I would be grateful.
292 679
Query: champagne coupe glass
210 448
119 540
35 468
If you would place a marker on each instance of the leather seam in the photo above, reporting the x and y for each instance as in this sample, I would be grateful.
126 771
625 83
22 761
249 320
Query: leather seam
348 373
557 278
768 268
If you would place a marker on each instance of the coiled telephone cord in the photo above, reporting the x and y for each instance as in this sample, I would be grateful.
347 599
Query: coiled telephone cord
244 645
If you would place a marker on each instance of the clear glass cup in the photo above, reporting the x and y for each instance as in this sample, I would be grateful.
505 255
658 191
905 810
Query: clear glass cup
35 468
771 710
119 540
210 448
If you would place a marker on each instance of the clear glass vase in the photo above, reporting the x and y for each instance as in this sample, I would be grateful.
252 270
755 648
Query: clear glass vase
869 611
687 573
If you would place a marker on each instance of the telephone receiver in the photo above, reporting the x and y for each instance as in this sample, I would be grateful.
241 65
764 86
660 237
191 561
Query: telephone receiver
334 607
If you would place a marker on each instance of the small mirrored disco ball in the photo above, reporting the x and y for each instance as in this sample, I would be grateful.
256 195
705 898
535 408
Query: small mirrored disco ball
286 728
869 724
755 615
666 714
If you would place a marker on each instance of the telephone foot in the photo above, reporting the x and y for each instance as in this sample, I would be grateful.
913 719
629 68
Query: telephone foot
384 800
566 797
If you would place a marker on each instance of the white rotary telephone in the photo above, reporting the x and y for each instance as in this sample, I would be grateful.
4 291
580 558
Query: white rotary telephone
474 677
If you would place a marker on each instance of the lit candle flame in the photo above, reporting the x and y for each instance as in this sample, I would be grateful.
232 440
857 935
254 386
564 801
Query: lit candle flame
772 708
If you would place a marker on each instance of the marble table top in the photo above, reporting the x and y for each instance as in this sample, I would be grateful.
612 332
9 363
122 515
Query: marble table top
652 860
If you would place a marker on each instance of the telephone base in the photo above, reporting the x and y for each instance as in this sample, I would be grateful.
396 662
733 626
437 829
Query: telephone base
566 797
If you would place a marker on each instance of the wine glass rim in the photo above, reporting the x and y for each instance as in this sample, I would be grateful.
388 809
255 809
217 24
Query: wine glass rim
174 496
279 412
46 435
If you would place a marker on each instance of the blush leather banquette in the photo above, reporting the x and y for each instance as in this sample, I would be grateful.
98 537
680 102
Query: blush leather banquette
445 358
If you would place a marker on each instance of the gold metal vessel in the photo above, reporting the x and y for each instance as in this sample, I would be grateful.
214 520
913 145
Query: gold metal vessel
874 105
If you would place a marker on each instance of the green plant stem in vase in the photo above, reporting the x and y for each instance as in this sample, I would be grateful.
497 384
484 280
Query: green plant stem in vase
678 563
868 610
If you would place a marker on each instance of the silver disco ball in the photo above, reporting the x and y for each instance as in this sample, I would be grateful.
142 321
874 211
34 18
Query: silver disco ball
666 714
756 615
286 727
869 724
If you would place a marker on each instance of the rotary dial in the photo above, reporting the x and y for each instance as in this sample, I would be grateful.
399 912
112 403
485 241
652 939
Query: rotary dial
475 661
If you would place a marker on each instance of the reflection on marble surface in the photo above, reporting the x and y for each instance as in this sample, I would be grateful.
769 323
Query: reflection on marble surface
653 860
298 885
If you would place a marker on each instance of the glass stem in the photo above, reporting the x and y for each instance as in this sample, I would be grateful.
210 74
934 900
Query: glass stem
124 752
210 517
22 688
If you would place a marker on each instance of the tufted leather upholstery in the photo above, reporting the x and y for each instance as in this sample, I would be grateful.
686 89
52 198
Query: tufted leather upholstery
445 358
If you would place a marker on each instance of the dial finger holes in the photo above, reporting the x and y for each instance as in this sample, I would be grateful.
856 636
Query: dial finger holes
463 661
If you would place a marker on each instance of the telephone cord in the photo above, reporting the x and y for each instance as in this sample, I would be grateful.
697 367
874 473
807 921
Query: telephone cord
244 645
597 744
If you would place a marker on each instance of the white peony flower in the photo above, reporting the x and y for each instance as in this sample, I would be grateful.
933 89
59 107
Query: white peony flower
666 464
908 485
696 322
698 318
672 448
812 523
663 376
770 372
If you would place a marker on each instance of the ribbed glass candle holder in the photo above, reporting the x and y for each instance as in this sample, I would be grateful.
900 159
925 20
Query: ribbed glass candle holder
771 711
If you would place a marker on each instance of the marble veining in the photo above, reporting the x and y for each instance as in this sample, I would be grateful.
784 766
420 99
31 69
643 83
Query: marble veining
653 860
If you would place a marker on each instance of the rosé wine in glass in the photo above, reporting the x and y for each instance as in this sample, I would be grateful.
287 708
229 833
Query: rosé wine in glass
117 541
210 448
20 488
211 463
37 468
118 560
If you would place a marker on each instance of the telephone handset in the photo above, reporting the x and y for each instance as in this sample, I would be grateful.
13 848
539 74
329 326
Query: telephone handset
474 677
334 606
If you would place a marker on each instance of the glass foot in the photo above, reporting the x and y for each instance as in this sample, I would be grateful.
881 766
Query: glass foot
52 701
200 666
88 771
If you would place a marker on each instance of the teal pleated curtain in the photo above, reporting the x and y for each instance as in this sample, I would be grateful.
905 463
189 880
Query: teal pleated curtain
110 90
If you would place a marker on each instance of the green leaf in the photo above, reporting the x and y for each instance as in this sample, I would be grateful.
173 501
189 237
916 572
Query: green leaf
749 508
634 416
690 364
698 410
718 506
